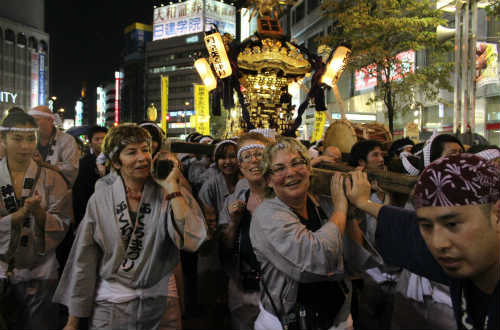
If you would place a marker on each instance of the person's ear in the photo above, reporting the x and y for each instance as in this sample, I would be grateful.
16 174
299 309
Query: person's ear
495 214
116 165
362 162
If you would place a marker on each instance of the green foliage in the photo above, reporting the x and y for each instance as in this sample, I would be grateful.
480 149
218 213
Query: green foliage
494 8
376 31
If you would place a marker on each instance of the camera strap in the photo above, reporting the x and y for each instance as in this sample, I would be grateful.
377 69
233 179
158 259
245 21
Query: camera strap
275 309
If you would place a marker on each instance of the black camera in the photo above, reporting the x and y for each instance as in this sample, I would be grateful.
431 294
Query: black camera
162 168
250 280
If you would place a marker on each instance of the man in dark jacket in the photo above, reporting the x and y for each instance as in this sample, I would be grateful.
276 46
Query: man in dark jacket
88 173
452 238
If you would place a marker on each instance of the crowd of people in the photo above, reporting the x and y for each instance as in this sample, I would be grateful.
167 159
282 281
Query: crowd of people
129 235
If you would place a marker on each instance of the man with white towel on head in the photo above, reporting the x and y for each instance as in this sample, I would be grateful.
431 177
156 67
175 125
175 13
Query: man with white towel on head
54 146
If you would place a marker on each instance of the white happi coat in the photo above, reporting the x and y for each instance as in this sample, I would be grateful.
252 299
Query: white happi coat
29 248
289 253
109 250
64 154
214 191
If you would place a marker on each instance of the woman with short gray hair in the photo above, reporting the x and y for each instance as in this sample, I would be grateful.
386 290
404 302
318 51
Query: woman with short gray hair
127 243
299 247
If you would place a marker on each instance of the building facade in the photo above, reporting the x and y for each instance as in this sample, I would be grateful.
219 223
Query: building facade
24 65
308 23
174 57
133 106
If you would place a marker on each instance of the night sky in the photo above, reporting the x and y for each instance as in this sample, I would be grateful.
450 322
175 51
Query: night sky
86 41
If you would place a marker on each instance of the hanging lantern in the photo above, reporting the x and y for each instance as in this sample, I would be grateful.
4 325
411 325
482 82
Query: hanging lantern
335 66
218 55
206 74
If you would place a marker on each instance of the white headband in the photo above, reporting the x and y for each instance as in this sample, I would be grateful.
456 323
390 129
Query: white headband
18 129
489 154
221 143
250 146
206 139
404 147
40 113
267 132
427 148
407 165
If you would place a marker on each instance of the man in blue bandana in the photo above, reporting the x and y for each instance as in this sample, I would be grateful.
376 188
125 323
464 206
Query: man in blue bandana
452 238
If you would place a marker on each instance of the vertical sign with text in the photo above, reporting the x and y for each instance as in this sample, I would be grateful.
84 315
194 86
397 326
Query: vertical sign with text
164 102
34 79
319 125
201 108
41 79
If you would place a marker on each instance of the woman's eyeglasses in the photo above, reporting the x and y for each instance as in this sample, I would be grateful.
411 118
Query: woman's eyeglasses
280 169
247 157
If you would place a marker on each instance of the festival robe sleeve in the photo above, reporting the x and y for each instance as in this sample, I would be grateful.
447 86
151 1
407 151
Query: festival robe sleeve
401 244
208 193
189 230
70 159
77 286
303 255
224 216
59 212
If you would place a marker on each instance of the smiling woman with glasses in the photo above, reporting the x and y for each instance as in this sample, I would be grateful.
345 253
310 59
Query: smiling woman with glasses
298 246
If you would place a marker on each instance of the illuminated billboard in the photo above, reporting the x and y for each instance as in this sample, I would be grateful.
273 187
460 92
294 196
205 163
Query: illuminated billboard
186 18
34 79
486 64
101 106
366 77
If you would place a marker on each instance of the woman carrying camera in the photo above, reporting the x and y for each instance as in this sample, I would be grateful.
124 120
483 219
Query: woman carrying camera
35 213
127 244
299 248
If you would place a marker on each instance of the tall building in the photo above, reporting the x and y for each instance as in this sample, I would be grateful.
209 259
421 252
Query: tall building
133 98
174 58
177 43
24 54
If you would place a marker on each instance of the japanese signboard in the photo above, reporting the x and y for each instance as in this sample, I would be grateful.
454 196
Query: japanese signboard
486 64
201 108
186 18
164 102
319 125
366 77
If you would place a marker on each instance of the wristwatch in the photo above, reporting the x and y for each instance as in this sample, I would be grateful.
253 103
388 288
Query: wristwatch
173 195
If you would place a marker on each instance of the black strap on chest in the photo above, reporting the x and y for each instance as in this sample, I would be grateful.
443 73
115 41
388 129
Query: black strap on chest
319 301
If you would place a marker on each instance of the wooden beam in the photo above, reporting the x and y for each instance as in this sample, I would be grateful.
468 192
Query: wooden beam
389 181
192 148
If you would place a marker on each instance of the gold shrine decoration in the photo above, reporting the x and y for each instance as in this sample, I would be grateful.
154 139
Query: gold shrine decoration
206 74
274 55
218 55
335 66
